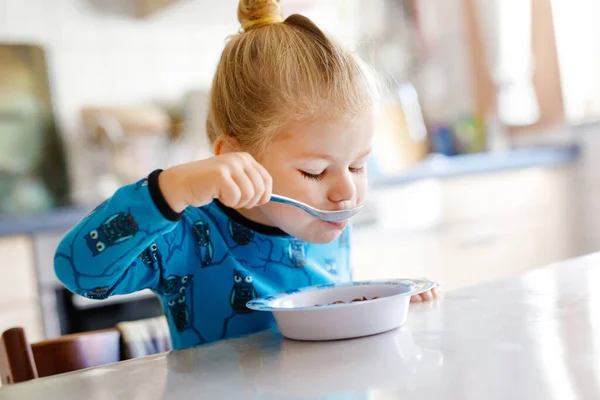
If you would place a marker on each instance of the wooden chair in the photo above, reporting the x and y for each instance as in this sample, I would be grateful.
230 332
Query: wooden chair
21 361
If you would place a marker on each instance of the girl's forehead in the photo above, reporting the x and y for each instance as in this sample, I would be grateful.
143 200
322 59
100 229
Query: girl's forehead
326 140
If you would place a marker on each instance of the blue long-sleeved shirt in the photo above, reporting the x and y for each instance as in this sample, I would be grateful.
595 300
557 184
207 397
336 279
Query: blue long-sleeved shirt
204 264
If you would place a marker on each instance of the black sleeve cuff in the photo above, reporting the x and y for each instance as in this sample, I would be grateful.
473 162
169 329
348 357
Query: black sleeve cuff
158 198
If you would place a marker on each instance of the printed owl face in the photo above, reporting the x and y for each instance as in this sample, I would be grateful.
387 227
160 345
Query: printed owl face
95 241
240 276
239 279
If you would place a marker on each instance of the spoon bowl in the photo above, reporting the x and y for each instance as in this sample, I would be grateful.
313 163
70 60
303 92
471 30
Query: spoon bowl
329 216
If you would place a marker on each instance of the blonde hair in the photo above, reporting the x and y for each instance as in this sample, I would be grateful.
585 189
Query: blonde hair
275 71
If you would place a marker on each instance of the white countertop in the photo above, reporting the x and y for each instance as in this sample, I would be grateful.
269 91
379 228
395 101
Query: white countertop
535 336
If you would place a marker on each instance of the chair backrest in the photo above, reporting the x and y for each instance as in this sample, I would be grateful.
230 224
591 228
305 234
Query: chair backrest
21 361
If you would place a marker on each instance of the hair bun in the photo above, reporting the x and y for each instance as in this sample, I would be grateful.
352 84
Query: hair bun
259 10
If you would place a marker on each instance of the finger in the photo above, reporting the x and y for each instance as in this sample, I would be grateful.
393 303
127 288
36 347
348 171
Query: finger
246 188
265 177
244 166
268 182
427 296
258 184
416 299
229 193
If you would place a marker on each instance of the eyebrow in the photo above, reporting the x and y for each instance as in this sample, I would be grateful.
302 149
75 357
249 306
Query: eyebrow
327 157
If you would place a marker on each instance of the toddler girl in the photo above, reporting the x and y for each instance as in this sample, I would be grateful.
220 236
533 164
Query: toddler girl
291 112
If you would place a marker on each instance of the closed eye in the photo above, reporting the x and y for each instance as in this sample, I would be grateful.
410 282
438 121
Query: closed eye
357 170
315 177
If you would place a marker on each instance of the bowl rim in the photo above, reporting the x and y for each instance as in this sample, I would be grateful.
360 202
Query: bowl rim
415 286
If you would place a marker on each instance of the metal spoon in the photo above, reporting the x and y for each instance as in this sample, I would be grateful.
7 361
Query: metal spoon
331 216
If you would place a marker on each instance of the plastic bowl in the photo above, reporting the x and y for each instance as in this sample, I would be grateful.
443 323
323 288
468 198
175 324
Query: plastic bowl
306 313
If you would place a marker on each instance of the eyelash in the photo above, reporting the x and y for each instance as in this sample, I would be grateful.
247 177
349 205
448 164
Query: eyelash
314 177
319 177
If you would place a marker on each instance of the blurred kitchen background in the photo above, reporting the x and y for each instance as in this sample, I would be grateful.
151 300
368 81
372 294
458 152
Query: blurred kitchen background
487 158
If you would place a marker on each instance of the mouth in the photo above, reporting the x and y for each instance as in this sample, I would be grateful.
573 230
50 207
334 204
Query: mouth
338 225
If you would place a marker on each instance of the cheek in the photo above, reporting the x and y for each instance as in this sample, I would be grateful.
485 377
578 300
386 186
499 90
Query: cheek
361 187
281 178
291 183
288 218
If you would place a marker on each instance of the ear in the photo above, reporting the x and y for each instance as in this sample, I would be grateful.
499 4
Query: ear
226 145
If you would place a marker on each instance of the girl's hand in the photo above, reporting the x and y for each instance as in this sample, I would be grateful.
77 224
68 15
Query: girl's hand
432 294
236 179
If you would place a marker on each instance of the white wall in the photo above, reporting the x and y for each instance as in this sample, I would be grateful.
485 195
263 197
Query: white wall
106 58
577 29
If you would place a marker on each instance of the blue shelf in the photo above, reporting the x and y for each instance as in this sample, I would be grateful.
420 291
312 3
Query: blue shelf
56 220
441 167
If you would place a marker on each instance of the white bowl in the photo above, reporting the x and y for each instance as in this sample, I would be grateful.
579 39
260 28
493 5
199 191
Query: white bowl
298 316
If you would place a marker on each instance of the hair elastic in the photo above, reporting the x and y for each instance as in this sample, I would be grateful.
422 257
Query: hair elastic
263 20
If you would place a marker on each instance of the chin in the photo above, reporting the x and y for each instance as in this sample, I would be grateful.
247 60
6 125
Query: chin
317 232
318 237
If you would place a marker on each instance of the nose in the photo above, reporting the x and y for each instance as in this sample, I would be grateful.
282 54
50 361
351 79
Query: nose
343 190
